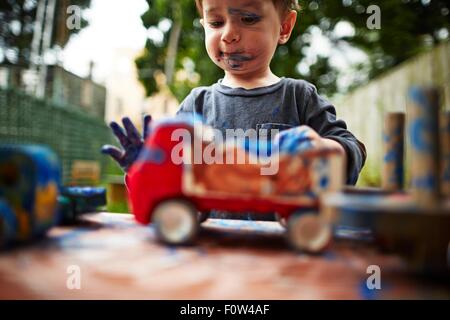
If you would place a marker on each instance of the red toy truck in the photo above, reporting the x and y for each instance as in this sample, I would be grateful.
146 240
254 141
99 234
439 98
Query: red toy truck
171 188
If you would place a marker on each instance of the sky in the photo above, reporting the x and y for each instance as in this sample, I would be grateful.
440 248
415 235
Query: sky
113 24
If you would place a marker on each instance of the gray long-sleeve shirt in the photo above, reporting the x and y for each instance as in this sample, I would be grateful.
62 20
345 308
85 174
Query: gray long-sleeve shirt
283 105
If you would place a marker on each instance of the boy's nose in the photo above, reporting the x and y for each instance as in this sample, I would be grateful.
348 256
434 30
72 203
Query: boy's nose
231 34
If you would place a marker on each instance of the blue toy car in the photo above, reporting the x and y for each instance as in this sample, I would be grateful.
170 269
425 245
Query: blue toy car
31 197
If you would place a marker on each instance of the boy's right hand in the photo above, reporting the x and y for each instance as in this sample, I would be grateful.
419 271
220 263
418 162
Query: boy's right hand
131 141
296 139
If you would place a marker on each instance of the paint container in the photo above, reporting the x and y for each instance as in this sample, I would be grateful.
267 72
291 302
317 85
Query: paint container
445 154
393 144
423 133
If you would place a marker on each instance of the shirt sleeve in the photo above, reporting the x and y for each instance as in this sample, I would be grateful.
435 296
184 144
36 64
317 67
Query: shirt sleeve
320 115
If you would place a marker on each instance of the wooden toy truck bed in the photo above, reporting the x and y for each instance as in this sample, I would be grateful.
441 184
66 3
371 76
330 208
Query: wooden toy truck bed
292 179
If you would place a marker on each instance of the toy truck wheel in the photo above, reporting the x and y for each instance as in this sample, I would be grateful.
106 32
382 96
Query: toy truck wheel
307 232
175 221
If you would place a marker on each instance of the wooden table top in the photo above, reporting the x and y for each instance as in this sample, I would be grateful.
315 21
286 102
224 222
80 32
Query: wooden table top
232 259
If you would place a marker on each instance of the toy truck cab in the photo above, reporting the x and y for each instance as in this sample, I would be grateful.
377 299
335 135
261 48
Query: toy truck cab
181 172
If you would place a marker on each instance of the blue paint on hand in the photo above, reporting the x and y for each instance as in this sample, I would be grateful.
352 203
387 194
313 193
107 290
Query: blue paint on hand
293 141
130 140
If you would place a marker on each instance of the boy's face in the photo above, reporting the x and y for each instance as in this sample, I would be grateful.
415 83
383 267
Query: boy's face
241 36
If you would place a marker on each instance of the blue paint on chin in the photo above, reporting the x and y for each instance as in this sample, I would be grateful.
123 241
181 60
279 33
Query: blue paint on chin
233 65
236 60
237 57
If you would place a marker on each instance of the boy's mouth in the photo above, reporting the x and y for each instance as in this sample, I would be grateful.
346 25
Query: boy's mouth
235 56
235 59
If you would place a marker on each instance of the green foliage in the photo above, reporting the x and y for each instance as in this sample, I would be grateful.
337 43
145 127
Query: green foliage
407 28
118 207
190 47
370 175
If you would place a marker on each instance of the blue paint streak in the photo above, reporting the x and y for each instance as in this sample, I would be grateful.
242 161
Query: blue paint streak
152 155
365 292
275 111
417 96
418 128
427 182
324 182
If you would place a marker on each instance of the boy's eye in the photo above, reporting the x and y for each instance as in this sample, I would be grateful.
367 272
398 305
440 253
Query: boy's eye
250 20
215 24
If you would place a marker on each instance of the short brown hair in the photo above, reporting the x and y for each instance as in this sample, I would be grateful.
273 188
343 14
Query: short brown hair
282 5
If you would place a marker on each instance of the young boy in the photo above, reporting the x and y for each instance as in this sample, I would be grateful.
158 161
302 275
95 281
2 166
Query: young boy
241 37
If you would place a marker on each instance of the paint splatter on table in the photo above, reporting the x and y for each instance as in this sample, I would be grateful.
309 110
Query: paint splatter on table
232 259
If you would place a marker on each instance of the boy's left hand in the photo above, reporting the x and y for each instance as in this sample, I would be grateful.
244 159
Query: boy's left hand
130 140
